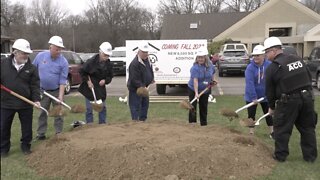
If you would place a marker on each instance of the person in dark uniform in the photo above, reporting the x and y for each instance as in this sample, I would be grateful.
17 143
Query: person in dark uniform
20 76
140 76
99 69
291 101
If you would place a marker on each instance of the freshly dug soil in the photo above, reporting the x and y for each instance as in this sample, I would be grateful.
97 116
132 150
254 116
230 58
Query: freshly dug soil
157 149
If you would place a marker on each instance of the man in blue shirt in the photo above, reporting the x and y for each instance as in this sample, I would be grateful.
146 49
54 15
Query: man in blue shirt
53 72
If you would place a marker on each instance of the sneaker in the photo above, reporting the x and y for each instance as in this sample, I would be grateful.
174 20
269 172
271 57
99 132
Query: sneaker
41 138
271 135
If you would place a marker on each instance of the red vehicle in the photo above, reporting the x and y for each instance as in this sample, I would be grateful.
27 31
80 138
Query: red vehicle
214 58
75 63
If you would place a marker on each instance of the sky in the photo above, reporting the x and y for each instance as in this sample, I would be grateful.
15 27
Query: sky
78 6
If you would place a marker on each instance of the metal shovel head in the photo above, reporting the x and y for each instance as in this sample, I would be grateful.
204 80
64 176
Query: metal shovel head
143 92
228 113
97 107
78 108
185 104
57 111
248 122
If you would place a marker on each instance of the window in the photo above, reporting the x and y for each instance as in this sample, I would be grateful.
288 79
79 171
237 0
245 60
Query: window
280 32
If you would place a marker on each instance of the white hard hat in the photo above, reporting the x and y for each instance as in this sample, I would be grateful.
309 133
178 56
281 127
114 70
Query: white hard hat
202 52
257 50
56 40
271 42
22 45
143 46
106 48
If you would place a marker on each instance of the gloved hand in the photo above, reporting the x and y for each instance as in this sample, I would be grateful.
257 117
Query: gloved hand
213 82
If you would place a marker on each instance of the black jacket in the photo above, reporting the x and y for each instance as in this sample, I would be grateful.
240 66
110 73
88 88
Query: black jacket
140 75
97 72
277 77
26 83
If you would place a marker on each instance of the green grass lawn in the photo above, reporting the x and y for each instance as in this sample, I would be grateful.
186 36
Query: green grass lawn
14 167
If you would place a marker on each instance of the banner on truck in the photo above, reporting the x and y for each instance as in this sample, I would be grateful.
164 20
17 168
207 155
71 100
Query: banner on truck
171 59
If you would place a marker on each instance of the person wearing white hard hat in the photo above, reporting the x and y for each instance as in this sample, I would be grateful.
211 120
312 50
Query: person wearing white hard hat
20 76
255 86
96 73
53 70
140 76
201 76
291 101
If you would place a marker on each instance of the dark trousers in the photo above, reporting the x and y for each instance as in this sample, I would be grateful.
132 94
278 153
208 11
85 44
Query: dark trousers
203 108
138 106
265 108
298 111
7 116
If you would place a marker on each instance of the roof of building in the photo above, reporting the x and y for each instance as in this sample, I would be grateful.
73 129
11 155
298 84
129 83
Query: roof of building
198 26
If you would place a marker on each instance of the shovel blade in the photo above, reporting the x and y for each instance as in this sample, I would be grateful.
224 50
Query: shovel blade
185 104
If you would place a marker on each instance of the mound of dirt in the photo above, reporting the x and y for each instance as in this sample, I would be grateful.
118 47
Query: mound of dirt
152 150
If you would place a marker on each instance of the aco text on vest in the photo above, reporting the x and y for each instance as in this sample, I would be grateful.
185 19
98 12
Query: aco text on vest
294 65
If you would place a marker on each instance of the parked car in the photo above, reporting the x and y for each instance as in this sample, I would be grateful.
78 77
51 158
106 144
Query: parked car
118 60
214 58
86 56
75 63
233 61
313 63
233 46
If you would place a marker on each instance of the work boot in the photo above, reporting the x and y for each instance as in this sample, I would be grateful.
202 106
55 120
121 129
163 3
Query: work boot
40 137
277 159
25 148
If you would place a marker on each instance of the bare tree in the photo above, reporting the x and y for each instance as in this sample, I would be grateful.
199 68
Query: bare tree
251 5
47 15
313 4
179 6
71 25
233 5
14 14
211 6
243 5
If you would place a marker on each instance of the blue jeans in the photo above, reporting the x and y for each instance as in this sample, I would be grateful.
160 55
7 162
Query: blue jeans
102 114
138 106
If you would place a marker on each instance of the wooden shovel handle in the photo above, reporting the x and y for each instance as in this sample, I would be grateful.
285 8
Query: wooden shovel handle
22 98
93 93
202 92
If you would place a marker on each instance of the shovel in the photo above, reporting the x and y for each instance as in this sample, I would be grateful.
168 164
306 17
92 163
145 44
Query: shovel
97 105
230 113
258 121
57 100
73 109
23 98
188 105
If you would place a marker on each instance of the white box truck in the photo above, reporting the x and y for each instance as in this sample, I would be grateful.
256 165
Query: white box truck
171 60
118 60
